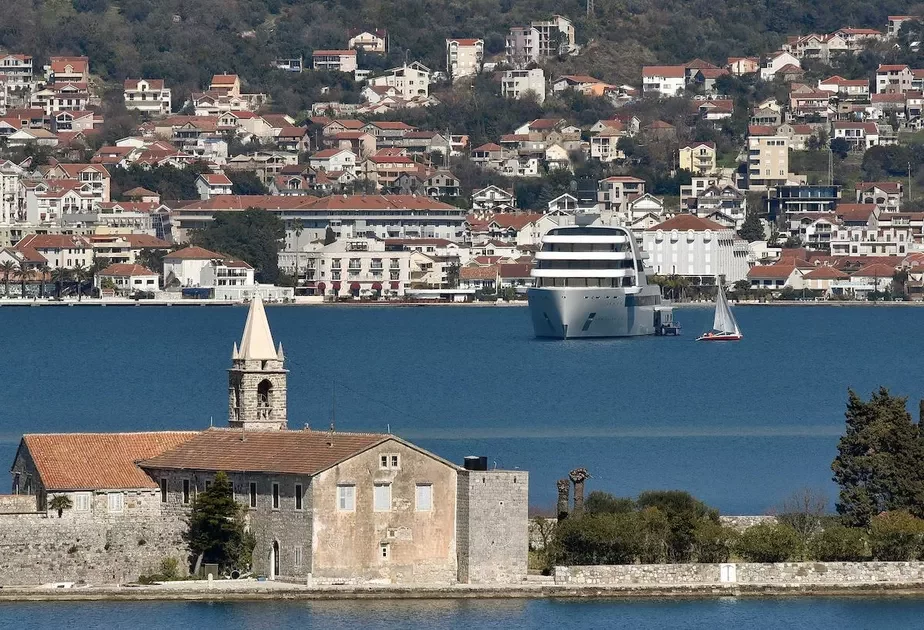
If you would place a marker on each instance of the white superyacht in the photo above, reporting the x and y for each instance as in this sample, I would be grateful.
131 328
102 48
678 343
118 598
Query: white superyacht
591 282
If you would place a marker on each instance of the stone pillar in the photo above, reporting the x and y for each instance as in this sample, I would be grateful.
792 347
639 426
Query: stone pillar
578 477
564 492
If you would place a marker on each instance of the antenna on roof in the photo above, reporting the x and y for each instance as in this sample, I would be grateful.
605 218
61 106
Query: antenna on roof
388 428
333 405
211 421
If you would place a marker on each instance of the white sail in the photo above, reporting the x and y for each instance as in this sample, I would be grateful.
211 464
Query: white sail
724 320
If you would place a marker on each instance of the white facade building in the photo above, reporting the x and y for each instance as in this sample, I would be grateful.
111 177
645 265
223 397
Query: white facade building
148 96
464 57
690 246
517 83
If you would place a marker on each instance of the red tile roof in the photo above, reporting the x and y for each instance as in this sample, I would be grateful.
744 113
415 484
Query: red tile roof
465 42
192 253
889 187
875 270
283 452
476 272
675 72
344 53
216 179
126 269
98 461
825 272
761 130
779 271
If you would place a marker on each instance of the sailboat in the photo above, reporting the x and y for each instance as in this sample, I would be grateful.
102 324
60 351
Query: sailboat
724 328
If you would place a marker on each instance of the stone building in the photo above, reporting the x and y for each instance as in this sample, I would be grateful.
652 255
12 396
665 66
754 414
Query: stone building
325 507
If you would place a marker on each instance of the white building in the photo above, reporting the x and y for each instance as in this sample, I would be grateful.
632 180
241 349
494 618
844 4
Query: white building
210 184
351 267
665 81
464 57
334 60
690 246
128 278
185 266
148 96
372 41
333 160
58 250
11 193
517 83
409 80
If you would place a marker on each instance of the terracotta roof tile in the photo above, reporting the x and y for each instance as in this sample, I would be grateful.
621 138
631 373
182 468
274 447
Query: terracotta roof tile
98 461
687 222
284 452
126 269
192 253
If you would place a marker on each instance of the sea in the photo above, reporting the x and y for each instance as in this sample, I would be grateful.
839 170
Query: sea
585 614
740 425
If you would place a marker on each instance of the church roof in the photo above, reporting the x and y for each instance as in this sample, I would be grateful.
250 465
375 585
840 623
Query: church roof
257 342
98 461
284 452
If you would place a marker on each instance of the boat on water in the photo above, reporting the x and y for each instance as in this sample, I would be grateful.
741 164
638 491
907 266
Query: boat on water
725 326
591 282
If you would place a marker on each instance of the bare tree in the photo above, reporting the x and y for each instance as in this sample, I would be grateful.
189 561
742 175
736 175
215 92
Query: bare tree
578 477
803 511
564 492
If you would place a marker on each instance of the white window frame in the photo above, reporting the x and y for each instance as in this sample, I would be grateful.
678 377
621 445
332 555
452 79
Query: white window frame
116 502
346 497
429 496
297 553
378 503
385 551
389 461
83 501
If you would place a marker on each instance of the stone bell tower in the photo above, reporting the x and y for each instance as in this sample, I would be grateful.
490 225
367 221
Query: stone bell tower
257 378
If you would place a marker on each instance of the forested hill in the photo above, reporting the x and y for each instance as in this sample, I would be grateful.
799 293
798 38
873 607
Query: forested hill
186 41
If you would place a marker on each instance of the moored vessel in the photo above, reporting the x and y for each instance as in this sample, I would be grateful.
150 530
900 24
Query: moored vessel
591 282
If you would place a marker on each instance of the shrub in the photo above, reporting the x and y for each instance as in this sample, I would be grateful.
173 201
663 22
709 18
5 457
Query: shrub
896 536
683 512
170 568
599 502
654 532
713 542
597 539
837 543
768 542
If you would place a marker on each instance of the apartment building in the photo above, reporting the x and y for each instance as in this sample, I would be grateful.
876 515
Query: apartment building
694 247
409 80
664 81
334 60
516 83
464 57
148 96
768 158
371 41
893 78
614 195
699 157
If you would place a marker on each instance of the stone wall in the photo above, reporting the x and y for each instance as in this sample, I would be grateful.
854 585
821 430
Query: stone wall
492 526
18 504
741 523
781 573
36 549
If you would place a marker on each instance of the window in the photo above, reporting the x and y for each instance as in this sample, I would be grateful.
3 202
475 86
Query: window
116 501
163 490
82 501
275 496
384 551
424 497
186 491
298 556
389 461
298 496
382 497
346 498
253 494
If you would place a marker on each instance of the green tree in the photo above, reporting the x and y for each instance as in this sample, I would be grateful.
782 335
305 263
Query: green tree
896 536
598 539
878 466
840 147
768 542
59 503
7 268
713 542
803 511
297 228
254 236
246 183
329 236
599 502
60 276
216 532
80 274
752 229
837 543
44 274
683 513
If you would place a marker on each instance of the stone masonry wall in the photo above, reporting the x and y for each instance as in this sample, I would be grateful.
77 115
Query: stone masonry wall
810 573
492 526
35 549
18 504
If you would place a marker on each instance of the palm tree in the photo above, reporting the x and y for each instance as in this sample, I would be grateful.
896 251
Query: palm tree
45 270
22 280
297 227
80 273
7 267
60 502
60 275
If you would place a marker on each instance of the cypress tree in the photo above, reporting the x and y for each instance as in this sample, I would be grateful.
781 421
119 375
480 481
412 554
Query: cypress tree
751 230
880 461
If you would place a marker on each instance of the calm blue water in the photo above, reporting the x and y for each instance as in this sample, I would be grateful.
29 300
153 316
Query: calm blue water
740 425
814 613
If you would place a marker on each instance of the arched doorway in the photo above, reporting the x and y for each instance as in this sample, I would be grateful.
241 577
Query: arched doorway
273 572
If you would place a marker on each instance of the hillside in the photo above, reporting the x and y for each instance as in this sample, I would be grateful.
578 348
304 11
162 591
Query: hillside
186 41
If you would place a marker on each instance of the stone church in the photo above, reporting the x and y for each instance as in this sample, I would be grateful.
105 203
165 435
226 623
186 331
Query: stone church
327 507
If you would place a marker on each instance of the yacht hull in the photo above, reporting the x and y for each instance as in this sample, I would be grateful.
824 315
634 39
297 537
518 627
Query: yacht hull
594 312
